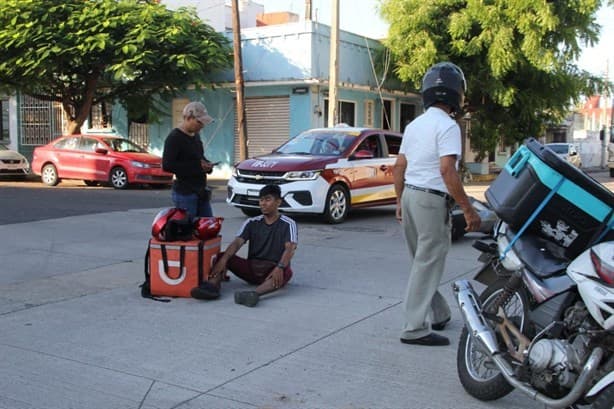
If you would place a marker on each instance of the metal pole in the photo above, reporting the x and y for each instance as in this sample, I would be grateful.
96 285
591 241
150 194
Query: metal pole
333 71
238 62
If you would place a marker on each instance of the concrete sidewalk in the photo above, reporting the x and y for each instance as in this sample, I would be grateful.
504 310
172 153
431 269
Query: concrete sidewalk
75 332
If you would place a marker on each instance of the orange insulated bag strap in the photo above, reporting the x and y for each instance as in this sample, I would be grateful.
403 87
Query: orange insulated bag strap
145 287
181 259
201 245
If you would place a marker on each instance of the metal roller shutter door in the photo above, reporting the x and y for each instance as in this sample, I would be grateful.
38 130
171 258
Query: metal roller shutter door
268 125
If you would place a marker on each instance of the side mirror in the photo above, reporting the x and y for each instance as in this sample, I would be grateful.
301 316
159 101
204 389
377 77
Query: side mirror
363 154
102 151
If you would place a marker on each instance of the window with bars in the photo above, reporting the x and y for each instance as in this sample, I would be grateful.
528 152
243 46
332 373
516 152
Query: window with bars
139 134
100 116
40 121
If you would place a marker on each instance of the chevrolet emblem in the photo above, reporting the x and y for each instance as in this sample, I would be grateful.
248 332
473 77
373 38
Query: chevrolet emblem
258 177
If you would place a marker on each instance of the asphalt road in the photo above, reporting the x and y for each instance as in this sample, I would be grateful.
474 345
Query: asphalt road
30 200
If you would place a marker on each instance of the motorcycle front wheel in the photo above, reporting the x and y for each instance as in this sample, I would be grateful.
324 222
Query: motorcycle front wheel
478 374
605 400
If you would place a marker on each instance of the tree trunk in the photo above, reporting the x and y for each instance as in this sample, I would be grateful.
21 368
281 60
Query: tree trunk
73 128
81 108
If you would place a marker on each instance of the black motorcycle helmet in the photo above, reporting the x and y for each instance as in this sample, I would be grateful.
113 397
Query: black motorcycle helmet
444 82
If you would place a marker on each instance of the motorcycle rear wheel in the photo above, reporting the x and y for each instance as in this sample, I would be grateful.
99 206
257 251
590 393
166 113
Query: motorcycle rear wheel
477 372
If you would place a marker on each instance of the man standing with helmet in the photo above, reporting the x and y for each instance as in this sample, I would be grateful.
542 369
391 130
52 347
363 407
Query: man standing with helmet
426 182
184 156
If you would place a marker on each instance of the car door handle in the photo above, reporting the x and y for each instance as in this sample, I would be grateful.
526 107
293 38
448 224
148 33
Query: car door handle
383 168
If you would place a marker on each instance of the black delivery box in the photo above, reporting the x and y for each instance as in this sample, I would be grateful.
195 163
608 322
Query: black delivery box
566 206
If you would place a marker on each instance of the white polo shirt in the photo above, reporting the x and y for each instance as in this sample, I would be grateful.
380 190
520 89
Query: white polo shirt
426 139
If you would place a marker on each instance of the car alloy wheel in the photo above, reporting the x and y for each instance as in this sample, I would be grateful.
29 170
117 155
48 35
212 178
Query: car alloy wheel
118 178
49 175
337 204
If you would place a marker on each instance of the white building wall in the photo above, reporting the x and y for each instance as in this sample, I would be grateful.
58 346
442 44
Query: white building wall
218 13
210 11
248 11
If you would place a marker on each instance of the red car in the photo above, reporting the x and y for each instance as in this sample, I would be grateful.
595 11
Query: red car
98 159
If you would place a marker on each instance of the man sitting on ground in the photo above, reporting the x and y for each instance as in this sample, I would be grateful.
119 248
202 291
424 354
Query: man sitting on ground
272 241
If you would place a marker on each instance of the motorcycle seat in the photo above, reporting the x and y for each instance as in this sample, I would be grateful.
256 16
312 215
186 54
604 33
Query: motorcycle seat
542 257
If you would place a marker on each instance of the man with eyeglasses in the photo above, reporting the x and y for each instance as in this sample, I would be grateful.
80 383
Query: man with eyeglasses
185 157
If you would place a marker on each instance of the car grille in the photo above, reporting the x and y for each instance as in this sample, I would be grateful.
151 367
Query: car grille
260 177
13 171
254 201
156 178
10 161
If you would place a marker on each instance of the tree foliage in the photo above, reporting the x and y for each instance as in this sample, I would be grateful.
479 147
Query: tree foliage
83 52
518 57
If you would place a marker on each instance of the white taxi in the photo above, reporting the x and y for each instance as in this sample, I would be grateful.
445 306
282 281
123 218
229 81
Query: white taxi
324 171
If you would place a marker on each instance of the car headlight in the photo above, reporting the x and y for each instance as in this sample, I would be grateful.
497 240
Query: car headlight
235 172
140 164
302 175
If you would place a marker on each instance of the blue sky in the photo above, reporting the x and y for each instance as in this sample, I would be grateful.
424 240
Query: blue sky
361 17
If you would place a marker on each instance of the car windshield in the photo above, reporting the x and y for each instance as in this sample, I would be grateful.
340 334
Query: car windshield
559 148
318 142
123 145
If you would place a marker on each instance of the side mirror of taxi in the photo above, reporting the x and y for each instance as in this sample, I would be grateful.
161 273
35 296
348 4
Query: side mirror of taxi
362 154
102 151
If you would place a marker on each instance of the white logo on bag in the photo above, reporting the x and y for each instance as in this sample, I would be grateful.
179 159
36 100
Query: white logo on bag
562 232
164 277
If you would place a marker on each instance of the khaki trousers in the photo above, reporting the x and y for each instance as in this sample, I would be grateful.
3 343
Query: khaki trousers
426 225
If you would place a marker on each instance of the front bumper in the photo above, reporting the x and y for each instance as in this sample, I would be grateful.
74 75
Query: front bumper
150 176
14 167
14 172
305 196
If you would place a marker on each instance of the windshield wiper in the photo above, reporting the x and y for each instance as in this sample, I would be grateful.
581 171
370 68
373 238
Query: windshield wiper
292 153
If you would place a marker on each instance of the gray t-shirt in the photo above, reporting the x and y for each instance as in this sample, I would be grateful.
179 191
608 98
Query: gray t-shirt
267 242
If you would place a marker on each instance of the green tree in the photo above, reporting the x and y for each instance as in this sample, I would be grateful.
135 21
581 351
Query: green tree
518 58
83 52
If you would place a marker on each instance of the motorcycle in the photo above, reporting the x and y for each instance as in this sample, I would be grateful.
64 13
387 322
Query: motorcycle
543 324
487 215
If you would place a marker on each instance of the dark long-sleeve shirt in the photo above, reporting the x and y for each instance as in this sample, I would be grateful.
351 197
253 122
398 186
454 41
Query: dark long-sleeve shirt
182 156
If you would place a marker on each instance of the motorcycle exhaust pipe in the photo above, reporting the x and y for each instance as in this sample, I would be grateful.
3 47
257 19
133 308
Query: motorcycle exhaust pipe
590 367
469 304
470 307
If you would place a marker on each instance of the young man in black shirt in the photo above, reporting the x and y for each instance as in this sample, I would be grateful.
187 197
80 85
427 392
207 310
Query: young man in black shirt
184 156
272 240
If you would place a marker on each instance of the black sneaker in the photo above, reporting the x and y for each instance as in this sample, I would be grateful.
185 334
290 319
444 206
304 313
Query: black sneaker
247 298
205 291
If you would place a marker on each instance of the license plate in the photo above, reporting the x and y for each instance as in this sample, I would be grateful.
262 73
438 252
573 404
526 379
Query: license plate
253 192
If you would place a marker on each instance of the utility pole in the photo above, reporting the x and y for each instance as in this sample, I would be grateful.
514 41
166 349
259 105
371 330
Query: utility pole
308 13
333 70
238 62
603 132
